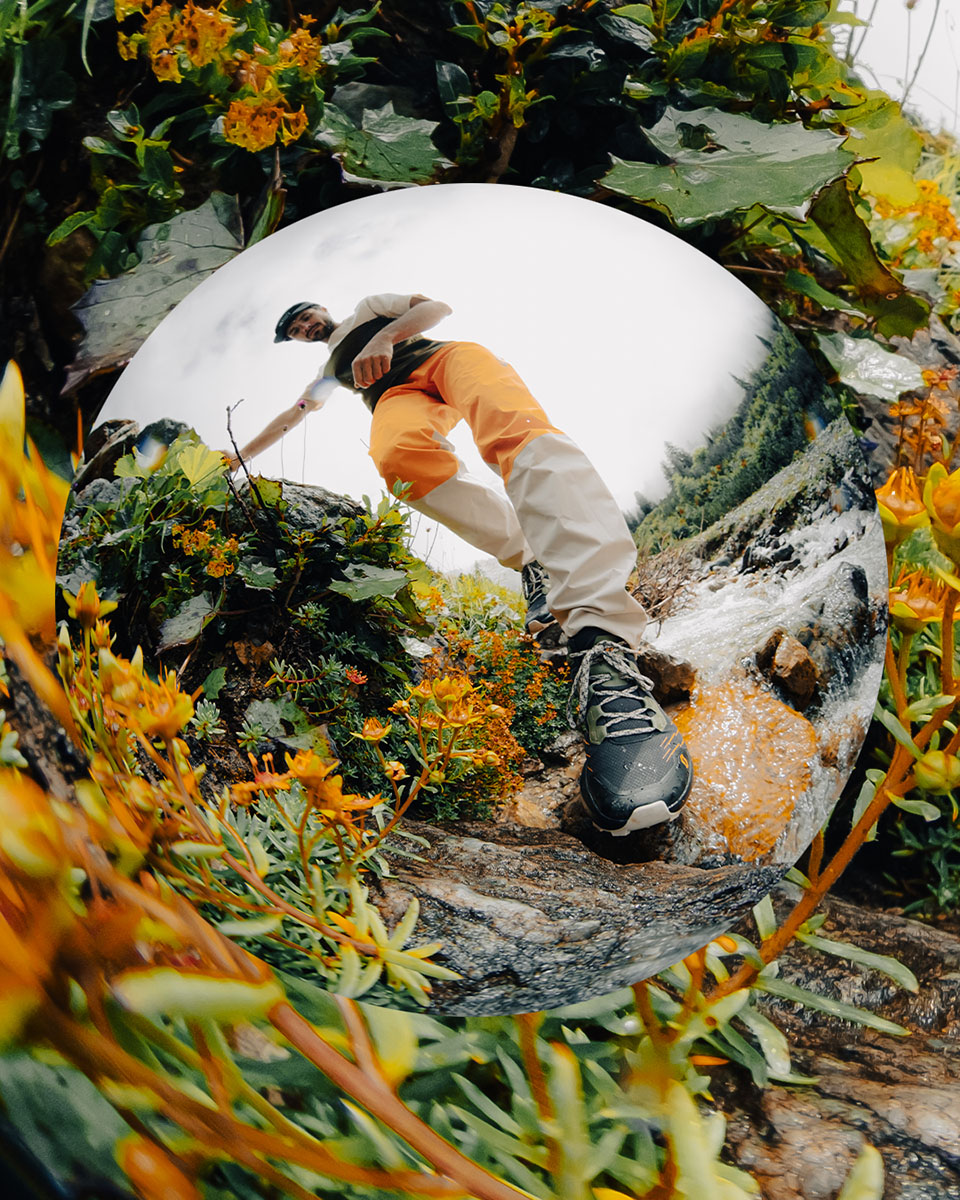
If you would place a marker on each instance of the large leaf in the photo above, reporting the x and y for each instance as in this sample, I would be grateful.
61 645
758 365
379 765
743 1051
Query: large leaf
878 129
386 148
864 365
363 582
187 622
119 314
879 292
721 163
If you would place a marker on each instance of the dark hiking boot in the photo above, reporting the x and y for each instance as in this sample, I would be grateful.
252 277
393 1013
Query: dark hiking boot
638 770
539 621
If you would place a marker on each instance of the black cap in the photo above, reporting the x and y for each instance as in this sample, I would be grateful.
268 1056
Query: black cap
280 333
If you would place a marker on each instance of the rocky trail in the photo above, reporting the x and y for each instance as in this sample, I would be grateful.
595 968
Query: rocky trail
901 1094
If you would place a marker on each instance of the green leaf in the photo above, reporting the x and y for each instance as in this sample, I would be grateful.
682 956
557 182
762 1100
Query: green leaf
773 1045
387 147
164 991
254 927
806 285
765 918
864 365
642 13
273 716
919 808
884 963
878 129
926 706
628 30
214 682
898 312
198 463
257 574
721 163
863 802
897 731
76 220
119 314
363 582
826 1004
187 623
64 1120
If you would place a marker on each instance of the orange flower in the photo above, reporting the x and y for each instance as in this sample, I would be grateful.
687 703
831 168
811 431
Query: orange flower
251 125
165 709
373 730
901 506
915 601
940 377
206 31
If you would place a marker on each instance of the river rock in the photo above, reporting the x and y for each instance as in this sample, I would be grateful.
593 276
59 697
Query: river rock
531 920
902 1095
788 663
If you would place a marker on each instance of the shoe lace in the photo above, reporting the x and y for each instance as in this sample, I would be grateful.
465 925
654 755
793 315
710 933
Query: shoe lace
533 579
638 718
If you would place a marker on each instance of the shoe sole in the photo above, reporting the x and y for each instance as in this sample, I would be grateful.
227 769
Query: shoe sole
645 816
551 628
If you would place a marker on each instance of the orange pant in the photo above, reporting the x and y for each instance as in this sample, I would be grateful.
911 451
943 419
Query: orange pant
557 509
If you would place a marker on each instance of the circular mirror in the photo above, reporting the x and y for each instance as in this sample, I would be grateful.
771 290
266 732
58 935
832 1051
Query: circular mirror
658 439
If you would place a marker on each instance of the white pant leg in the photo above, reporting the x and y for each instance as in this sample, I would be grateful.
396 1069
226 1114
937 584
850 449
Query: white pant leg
578 533
476 512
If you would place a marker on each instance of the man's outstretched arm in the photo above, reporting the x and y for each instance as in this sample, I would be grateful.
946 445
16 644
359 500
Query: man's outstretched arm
313 398
374 359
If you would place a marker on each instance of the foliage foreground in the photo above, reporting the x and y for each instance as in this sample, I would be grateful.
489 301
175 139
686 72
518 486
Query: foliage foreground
137 911
180 1016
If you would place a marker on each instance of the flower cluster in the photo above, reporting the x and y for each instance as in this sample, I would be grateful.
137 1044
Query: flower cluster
255 124
922 229
221 553
267 70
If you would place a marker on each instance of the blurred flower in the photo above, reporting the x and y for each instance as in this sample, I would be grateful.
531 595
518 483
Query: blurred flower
395 771
86 606
941 495
355 676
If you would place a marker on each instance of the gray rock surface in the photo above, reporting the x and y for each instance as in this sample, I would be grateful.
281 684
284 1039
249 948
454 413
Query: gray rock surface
531 920
902 1095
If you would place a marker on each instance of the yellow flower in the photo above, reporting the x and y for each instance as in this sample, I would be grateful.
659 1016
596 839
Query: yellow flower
86 606
395 771
937 772
941 495
901 506
166 710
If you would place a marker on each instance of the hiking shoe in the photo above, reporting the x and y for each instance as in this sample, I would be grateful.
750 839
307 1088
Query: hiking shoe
539 621
638 770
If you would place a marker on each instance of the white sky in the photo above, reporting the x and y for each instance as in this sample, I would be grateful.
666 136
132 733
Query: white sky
890 47
628 337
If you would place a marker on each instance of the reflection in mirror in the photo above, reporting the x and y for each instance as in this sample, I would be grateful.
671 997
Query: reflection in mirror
702 592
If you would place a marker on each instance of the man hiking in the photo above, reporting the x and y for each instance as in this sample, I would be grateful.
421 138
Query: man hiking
559 525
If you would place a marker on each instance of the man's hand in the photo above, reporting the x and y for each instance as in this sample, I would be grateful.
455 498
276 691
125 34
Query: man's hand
373 361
